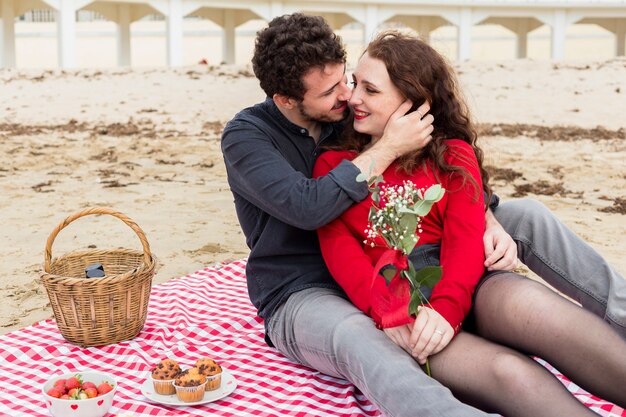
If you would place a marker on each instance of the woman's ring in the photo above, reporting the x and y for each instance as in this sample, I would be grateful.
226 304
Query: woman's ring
420 113
439 332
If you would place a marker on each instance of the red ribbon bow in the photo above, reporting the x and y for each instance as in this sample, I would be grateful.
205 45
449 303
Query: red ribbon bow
391 301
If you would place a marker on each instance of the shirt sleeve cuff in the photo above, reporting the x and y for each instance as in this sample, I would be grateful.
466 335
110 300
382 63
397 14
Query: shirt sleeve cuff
449 312
345 175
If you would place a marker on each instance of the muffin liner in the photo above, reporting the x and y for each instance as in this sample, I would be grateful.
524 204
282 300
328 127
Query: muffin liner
163 386
190 394
213 382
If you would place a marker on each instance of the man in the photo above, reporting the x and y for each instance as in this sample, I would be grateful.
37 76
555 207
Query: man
269 151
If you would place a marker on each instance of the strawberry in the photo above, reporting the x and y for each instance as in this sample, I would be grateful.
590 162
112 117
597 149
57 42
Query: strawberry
88 385
73 382
54 392
91 392
104 387
60 385
74 388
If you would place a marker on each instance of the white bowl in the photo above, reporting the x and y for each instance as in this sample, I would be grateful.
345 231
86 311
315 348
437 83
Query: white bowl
90 407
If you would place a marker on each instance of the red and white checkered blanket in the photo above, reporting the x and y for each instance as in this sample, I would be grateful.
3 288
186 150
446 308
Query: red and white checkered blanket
207 313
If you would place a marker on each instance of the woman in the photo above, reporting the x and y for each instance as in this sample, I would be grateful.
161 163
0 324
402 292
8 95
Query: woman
486 364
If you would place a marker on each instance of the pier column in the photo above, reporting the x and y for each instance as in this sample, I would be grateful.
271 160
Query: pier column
424 27
66 33
7 33
228 39
276 8
522 38
175 33
559 24
371 23
620 33
123 35
464 37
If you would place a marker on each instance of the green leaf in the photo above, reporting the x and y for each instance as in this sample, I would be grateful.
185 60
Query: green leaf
408 243
389 272
376 198
429 276
434 193
373 212
422 208
408 221
375 180
416 301
361 177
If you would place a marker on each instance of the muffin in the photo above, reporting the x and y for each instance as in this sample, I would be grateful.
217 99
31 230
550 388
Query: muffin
163 375
212 371
190 385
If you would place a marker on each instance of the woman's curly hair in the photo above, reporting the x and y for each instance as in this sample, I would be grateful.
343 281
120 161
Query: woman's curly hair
289 48
422 74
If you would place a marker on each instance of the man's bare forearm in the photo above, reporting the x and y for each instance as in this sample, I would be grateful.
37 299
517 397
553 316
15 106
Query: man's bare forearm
375 160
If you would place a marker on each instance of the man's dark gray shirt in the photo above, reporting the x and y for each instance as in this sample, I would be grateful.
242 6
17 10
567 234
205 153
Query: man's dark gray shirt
269 162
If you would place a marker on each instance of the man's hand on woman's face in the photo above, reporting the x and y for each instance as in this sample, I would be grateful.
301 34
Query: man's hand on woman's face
404 132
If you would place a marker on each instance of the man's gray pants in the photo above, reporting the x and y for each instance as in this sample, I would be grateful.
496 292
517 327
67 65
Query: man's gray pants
321 329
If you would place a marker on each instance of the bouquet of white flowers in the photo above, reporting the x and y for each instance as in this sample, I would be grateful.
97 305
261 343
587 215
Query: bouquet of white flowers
396 216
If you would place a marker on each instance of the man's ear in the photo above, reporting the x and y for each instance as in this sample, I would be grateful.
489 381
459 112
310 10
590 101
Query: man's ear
284 101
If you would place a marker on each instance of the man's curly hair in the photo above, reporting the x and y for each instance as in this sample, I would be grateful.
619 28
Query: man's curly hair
289 48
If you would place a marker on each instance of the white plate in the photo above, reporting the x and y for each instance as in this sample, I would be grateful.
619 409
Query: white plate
229 383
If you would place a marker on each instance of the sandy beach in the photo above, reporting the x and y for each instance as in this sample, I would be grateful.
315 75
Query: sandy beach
146 142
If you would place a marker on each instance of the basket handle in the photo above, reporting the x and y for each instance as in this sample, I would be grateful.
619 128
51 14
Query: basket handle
147 255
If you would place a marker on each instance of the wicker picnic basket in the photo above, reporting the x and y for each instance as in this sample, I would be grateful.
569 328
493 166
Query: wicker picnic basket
99 311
